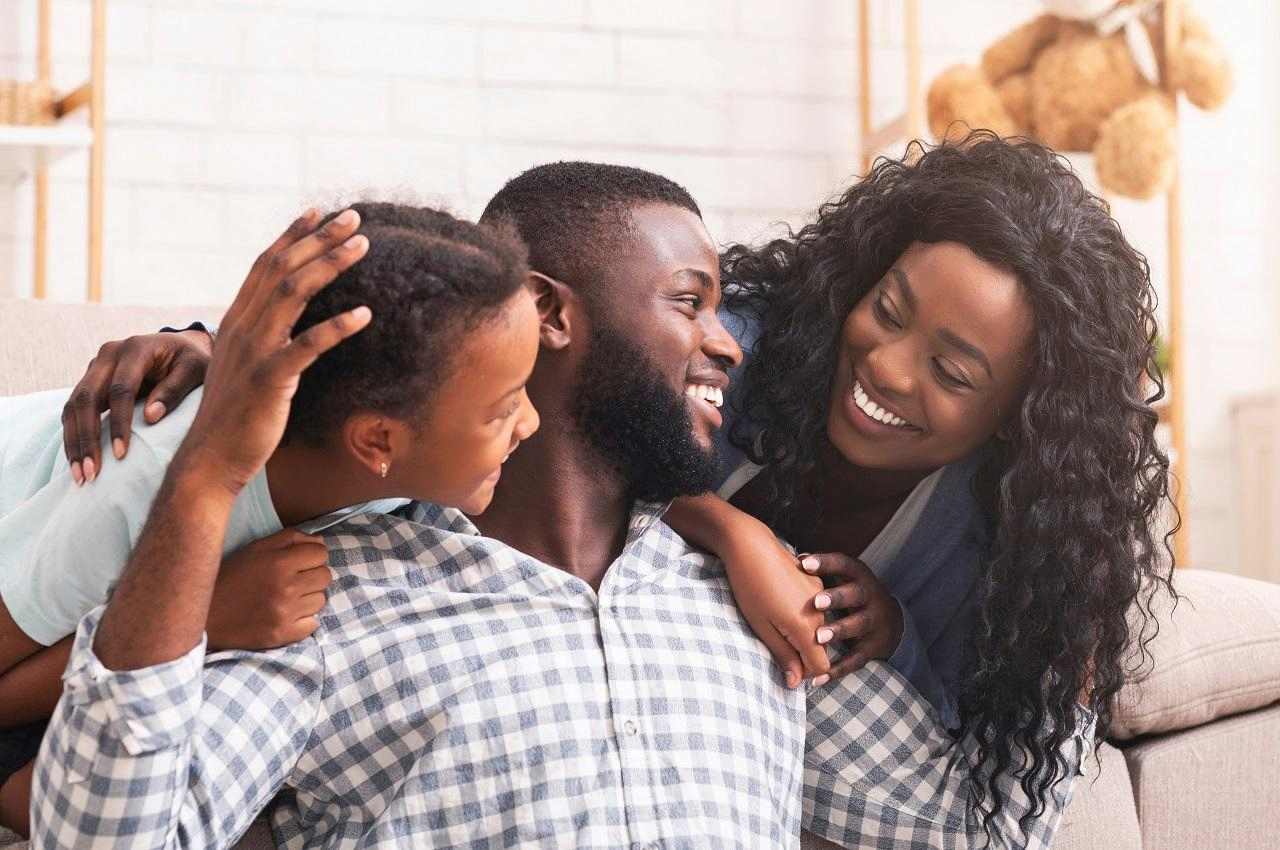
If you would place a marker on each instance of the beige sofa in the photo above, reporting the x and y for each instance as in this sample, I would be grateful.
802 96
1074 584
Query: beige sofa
1194 761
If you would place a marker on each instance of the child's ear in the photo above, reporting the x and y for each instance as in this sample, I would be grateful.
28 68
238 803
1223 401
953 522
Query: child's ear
556 303
371 438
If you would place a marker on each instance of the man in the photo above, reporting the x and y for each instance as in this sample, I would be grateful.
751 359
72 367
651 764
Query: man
562 672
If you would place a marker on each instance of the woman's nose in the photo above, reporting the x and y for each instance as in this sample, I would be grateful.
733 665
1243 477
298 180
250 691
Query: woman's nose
891 368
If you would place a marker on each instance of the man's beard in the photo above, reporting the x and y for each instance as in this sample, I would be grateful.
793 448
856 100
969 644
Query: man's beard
638 424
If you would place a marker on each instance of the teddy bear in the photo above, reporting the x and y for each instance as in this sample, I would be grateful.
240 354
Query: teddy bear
1085 76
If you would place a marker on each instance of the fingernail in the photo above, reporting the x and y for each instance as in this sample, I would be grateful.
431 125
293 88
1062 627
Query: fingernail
792 679
819 681
90 470
361 314
822 602
154 411
117 448
824 634
346 217
76 475
810 564
358 242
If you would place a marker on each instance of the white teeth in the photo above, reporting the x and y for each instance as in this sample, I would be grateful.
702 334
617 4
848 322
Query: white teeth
875 411
711 395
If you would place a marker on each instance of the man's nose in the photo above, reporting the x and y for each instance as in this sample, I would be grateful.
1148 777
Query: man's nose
719 344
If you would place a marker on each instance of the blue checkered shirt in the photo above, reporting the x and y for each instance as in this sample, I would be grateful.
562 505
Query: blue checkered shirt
459 693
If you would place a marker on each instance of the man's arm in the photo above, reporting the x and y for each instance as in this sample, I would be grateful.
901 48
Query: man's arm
130 717
880 770
173 755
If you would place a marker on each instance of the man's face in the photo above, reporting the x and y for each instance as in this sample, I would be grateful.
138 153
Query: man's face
654 372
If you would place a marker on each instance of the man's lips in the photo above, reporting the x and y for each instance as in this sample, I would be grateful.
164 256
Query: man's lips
704 392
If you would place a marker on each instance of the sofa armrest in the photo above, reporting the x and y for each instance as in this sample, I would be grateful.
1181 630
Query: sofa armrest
1217 654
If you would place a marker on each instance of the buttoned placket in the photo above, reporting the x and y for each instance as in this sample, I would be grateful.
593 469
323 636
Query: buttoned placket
625 703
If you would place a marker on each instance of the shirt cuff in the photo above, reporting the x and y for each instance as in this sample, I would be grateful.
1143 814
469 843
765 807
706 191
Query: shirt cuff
147 709
1086 728
194 326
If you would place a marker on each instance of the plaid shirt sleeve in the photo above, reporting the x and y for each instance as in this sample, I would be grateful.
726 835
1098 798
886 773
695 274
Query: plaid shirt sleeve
182 754
881 771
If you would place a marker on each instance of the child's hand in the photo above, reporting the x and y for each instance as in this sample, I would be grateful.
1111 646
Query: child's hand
873 626
269 592
777 601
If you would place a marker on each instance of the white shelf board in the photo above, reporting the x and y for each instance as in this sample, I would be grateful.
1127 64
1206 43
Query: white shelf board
25 148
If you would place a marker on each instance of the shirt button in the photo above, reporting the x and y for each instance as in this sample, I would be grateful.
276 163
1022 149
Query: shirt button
631 728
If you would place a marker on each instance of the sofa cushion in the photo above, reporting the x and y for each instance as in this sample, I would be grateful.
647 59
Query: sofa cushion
1102 812
1217 654
1214 786
49 345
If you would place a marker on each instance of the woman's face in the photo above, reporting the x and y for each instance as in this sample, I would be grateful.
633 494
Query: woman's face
931 361
479 415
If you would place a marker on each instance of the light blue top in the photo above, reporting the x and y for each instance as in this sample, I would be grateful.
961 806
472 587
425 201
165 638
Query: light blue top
63 547
928 556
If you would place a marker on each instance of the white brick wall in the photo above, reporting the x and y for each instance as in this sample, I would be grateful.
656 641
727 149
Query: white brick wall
226 116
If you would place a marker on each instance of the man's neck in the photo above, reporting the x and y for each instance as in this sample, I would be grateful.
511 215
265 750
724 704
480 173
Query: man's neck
307 482
559 503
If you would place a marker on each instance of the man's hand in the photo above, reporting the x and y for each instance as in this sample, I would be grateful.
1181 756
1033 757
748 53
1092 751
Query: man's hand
777 601
269 592
167 366
256 365
161 606
873 627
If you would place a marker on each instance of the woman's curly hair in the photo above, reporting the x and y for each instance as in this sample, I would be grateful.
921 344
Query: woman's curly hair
1072 499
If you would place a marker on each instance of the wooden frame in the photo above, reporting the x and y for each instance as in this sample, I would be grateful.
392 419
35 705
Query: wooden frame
90 95
910 125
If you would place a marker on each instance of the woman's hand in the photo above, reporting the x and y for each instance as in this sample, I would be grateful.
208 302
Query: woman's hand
872 625
168 366
269 592
777 601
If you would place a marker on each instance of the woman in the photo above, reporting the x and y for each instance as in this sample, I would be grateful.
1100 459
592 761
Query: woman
947 375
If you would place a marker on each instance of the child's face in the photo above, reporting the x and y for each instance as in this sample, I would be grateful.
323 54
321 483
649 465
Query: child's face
481 413
931 361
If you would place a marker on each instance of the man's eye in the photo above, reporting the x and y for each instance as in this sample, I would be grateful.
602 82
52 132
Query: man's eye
694 301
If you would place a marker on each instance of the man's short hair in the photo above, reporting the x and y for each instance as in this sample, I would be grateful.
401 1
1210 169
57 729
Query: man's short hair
574 215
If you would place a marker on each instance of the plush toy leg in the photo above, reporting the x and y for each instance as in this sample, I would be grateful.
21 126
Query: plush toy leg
1136 153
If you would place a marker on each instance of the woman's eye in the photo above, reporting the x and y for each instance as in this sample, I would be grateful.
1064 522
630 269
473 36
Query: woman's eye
949 378
882 313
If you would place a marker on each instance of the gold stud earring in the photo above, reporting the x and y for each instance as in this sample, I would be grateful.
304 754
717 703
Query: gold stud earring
382 470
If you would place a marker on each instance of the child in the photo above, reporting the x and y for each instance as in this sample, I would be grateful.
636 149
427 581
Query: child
425 403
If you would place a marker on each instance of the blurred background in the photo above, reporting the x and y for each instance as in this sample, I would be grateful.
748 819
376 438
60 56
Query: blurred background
223 118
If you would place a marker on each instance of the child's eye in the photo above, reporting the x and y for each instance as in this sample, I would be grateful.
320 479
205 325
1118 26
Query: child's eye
881 311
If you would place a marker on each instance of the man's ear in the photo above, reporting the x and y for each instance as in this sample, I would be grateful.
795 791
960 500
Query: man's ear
557 305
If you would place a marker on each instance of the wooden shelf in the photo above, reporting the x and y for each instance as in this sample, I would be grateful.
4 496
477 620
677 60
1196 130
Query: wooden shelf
26 149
